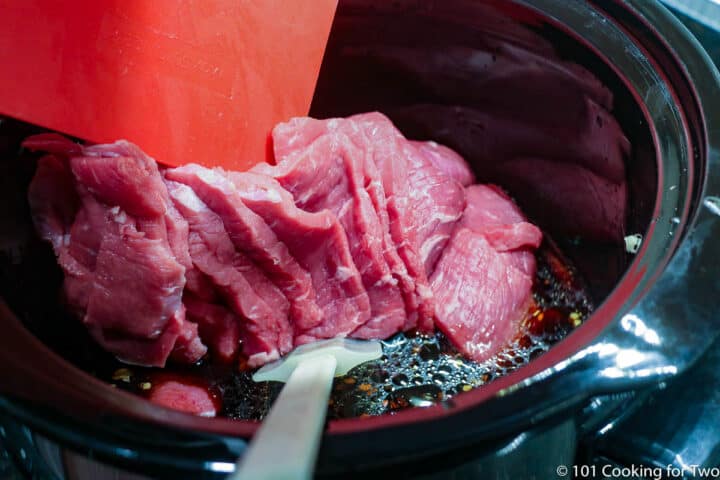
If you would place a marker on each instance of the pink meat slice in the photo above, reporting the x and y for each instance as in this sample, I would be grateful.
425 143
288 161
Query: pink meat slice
251 235
121 275
131 182
483 280
219 327
129 287
438 202
178 232
153 352
392 155
176 393
447 161
326 175
351 140
266 331
490 211
137 284
480 295
418 305
319 243
123 178
177 235
188 345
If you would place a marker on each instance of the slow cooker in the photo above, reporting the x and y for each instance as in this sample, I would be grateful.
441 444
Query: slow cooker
654 315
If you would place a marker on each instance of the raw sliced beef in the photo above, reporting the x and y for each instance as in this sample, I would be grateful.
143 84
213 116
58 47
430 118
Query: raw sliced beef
178 232
188 345
251 235
137 283
266 331
123 181
318 242
153 352
480 295
218 326
436 198
438 201
176 393
447 161
491 212
416 204
356 232
326 175
390 153
121 275
483 281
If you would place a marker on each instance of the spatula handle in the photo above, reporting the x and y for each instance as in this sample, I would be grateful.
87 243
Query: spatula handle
286 445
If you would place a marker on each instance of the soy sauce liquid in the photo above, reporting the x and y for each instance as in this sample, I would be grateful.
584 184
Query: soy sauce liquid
414 371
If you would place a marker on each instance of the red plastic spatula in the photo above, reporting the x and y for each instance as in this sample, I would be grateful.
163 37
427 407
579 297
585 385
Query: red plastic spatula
187 80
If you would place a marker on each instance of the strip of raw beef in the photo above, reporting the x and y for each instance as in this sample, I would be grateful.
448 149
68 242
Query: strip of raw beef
178 231
393 175
356 232
392 155
177 393
188 343
447 161
490 211
438 202
252 236
219 327
483 280
319 243
327 175
266 331
121 275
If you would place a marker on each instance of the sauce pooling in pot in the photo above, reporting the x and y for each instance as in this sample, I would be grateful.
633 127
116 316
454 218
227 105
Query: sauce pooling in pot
415 370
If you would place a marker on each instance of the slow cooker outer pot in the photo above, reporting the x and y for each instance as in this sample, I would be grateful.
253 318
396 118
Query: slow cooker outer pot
655 323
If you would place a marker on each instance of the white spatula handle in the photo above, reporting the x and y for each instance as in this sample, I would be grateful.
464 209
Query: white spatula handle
286 445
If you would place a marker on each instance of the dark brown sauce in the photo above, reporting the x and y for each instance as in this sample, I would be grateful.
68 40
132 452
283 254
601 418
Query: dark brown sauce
415 370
